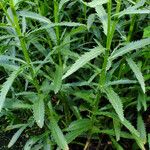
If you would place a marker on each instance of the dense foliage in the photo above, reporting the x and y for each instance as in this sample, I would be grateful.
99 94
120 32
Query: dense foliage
75 73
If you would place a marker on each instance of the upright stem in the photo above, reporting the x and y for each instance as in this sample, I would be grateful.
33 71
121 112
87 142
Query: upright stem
7 15
56 19
23 45
114 22
131 27
109 5
85 11
103 72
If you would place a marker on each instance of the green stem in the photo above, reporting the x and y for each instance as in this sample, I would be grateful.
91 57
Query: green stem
131 28
23 45
114 23
7 15
109 5
103 72
56 19
85 11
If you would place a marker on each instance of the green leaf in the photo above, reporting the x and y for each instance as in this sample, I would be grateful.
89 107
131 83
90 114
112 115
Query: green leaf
39 110
58 79
51 25
58 135
79 124
56 131
130 47
139 142
4 37
33 140
122 81
62 2
76 128
35 16
16 136
125 122
103 17
130 127
117 128
6 57
94 3
90 20
116 145
137 72
115 101
39 47
85 94
134 9
129 12
142 102
122 134
146 32
85 58
16 104
7 85
141 128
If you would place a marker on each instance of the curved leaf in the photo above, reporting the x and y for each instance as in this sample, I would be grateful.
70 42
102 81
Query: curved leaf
39 111
137 72
130 47
6 86
115 101
83 60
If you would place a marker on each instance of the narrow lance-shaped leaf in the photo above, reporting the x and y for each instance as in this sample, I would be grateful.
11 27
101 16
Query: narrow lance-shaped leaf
33 140
79 124
117 128
16 136
56 131
35 16
134 9
115 101
125 122
57 79
103 17
142 101
6 86
85 58
141 128
130 127
4 37
51 25
76 128
90 20
130 47
39 110
94 3
121 81
139 11
116 144
137 73
62 2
